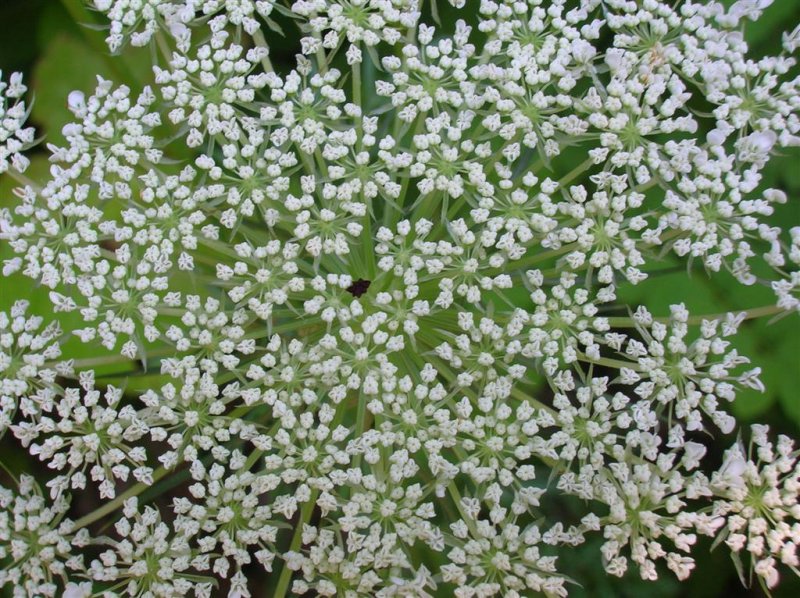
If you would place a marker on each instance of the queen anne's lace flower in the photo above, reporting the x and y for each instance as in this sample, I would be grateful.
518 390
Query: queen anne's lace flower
38 543
356 317
15 137
28 364
755 491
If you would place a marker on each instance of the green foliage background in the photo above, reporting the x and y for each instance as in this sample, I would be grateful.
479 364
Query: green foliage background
43 39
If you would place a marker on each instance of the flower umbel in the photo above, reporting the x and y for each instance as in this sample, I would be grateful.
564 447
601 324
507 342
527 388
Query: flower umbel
355 315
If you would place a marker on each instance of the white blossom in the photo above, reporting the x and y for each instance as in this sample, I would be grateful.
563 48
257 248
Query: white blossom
368 306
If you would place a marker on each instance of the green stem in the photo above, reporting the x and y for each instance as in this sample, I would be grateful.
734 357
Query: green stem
575 172
163 46
456 496
22 179
91 362
531 260
612 363
750 314
261 41
8 471
305 516
397 214
356 71
322 60
323 166
366 235
113 505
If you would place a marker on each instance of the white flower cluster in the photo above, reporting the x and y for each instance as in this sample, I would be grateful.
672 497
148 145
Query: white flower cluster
38 547
757 497
138 21
369 302
15 137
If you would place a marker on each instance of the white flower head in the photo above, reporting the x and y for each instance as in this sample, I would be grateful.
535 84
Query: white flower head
370 302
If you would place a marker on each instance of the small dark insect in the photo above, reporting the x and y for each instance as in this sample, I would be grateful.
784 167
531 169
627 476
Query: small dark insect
109 244
359 287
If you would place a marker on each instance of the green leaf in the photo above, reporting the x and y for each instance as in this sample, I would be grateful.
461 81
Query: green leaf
764 35
70 63
666 288
67 64
54 20
737 562
17 48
